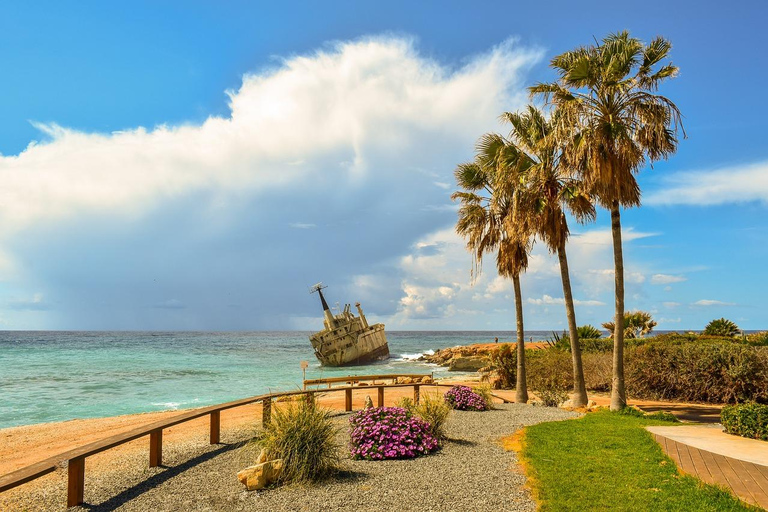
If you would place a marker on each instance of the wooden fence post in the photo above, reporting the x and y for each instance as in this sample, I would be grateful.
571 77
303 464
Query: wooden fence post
215 427
348 399
381 396
266 411
416 394
76 481
156 448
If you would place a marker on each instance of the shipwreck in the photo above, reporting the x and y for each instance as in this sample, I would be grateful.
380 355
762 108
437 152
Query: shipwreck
347 339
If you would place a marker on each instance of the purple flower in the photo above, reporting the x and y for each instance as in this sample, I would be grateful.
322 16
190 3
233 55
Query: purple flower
389 433
464 399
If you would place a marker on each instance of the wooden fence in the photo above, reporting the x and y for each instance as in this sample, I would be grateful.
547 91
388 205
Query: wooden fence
75 458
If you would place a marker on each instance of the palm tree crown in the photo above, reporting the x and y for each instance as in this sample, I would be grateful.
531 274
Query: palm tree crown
609 110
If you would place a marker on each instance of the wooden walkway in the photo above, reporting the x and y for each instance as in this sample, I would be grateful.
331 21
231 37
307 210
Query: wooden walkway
747 480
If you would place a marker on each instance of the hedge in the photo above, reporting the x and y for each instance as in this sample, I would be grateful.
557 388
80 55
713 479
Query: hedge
746 420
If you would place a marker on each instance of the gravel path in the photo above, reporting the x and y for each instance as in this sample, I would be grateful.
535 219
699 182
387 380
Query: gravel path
471 473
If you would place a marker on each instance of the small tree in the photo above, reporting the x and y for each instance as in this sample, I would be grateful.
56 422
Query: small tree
722 327
636 324
589 332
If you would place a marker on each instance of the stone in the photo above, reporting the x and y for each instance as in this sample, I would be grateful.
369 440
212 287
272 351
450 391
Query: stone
467 364
261 475
368 402
262 457
426 379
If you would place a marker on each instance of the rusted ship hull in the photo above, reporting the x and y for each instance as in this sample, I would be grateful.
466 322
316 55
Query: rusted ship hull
354 348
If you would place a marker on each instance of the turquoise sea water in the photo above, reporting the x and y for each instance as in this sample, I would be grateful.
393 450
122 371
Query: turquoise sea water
55 376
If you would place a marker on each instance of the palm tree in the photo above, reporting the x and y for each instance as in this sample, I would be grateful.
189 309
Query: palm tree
636 324
549 190
614 121
484 221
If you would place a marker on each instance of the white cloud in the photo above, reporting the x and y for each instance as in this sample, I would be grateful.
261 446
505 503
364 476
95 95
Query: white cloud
737 184
323 116
302 225
667 279
707 303
671 304
604 237
546 299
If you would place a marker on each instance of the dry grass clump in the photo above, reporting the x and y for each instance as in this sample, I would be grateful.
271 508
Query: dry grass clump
304 437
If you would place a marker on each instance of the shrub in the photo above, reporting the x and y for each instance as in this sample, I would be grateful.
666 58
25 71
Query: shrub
759 339
662 416
746 420
484 390
304 436
722 327
406 403
389 433
588 332
464 399
636 324
432 409
435 411
504 361
712 371
658 416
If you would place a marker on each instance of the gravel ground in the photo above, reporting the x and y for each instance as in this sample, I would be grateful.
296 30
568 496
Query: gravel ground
470 473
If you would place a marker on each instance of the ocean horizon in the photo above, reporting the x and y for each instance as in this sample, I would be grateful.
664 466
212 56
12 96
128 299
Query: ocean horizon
48 376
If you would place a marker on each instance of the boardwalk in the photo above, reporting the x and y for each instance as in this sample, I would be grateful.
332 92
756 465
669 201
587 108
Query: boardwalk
714 457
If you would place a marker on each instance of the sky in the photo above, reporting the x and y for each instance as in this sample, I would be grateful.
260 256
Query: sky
198 165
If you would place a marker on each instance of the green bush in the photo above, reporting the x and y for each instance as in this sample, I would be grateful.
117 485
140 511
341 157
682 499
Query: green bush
658 416
722 327
636 324
589 332
746 420
759 339
433 409
305 437
504 361
550 375
678 338
711 371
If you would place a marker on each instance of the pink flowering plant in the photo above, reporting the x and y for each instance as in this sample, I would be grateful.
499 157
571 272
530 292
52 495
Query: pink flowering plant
464 399
389 433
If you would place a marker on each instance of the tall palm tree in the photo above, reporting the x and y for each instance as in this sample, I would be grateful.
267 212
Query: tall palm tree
551 189
606 94
488 206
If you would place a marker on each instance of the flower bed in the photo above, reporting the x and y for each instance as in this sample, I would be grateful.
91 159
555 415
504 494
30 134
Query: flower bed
389 433
464 399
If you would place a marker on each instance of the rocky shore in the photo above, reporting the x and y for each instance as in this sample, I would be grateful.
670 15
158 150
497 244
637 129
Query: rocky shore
469 358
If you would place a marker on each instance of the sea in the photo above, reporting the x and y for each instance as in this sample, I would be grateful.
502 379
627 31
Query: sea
55 376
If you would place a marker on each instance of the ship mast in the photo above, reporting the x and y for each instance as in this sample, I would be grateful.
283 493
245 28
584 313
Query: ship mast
330 322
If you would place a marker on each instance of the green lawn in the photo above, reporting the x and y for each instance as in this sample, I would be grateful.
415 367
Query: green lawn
608 461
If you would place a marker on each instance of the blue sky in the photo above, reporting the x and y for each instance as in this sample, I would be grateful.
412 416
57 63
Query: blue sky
196 165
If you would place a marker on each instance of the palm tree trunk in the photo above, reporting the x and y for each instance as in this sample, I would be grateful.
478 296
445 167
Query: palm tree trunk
521 387
579 387
618 393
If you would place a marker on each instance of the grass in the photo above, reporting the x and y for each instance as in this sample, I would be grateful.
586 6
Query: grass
305 437
608 461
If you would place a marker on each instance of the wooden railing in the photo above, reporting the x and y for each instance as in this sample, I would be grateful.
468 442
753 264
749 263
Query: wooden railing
354 379
75 458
